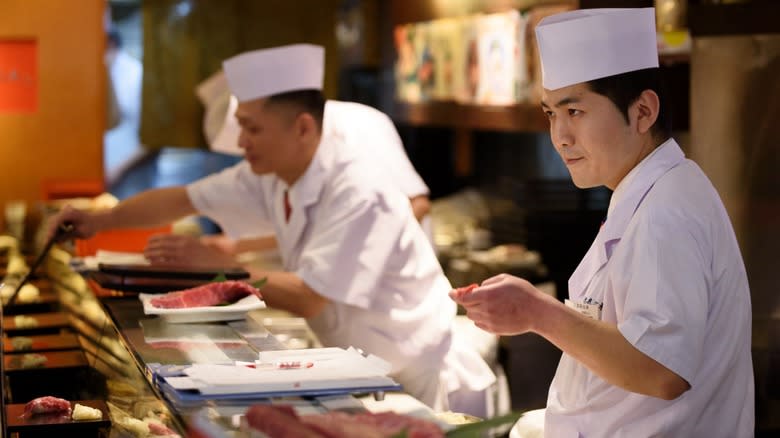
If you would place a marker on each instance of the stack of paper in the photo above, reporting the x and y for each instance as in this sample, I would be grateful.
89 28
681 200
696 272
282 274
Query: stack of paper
91 263
288 372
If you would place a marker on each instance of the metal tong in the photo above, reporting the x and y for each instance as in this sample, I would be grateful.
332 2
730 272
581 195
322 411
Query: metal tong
62 231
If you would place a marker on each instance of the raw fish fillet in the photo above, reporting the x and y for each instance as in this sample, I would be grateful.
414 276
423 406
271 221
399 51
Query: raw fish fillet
46 405
210 294
282 421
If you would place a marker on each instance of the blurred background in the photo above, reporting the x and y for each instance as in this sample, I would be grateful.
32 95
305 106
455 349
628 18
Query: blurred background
99 97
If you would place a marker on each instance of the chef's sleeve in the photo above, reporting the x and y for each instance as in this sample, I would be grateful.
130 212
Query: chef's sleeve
350 247
392 156
234 199
666 306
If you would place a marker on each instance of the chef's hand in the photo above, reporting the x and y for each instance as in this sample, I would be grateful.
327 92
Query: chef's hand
221 243
187 251
84 224
502 304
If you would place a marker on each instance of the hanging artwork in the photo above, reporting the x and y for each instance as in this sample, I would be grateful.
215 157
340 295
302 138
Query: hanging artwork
18 76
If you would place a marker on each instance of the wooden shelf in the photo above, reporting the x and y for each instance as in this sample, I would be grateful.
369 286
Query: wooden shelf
515 118
669 59
757 17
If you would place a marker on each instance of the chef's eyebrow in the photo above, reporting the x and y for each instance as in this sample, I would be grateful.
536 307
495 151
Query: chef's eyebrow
565 101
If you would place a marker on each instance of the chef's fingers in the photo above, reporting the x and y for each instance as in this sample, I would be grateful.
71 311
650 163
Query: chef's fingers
495 279
475 296
483 326
77 221
164 239
163 243
159 253
164 261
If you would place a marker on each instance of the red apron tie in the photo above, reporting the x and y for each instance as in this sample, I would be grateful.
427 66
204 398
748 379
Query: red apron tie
287 207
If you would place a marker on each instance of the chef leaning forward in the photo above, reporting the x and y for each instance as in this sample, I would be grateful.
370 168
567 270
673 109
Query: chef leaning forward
656 330
363 124
358 265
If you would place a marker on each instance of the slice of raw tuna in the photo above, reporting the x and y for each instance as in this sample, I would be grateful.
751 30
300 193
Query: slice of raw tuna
46 405
282 421
278 422
210 294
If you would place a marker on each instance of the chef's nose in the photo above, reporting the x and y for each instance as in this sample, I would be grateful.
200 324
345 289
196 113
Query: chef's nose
561 133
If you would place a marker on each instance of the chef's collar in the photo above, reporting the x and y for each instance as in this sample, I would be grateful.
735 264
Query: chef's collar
306 190
636 184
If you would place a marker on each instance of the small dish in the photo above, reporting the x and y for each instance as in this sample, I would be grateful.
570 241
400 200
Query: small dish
229 312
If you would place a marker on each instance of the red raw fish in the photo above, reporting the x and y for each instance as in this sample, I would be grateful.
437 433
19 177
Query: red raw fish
282 421
46 405
461 291
210 294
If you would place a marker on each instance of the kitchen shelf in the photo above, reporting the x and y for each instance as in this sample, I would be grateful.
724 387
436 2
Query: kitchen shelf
757 17
514 118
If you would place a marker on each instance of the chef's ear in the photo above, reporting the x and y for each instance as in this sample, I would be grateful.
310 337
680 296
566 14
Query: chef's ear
645 110
305 125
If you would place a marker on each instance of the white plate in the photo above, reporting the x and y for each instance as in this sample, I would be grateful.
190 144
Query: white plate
230 312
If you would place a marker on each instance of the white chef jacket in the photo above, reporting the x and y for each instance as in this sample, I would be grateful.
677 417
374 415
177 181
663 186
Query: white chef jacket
667 268
373 134
352 238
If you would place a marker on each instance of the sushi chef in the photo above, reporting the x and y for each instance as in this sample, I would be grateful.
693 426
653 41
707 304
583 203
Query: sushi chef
366 126
656 330
357 264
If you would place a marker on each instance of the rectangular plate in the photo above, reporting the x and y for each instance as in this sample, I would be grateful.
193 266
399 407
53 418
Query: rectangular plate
46 321
230 312
54 359
56 424
63 341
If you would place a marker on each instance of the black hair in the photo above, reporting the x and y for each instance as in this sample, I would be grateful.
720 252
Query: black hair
309 101
624 89
114 38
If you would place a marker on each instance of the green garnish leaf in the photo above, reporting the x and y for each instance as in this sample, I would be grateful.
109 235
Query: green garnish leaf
260 283
476 430
219 278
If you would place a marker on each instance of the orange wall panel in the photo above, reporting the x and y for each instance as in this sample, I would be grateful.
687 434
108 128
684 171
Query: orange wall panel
62 137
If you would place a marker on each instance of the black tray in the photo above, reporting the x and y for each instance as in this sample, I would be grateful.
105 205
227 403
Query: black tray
58 342
156 279
57 424
150 271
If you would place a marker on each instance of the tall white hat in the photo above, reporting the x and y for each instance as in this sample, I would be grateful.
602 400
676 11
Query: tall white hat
219 122
262 73
588 44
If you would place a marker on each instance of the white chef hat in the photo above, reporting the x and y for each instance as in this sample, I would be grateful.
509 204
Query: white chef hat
219 122
588 44
262 73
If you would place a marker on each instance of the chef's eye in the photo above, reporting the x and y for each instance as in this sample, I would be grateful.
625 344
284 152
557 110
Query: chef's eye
574 112
549 114
252 130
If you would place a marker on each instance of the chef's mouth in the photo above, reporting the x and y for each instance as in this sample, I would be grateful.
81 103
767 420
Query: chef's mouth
569 161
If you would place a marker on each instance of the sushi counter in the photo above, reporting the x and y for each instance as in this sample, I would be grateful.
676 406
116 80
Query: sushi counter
62 352
72 346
